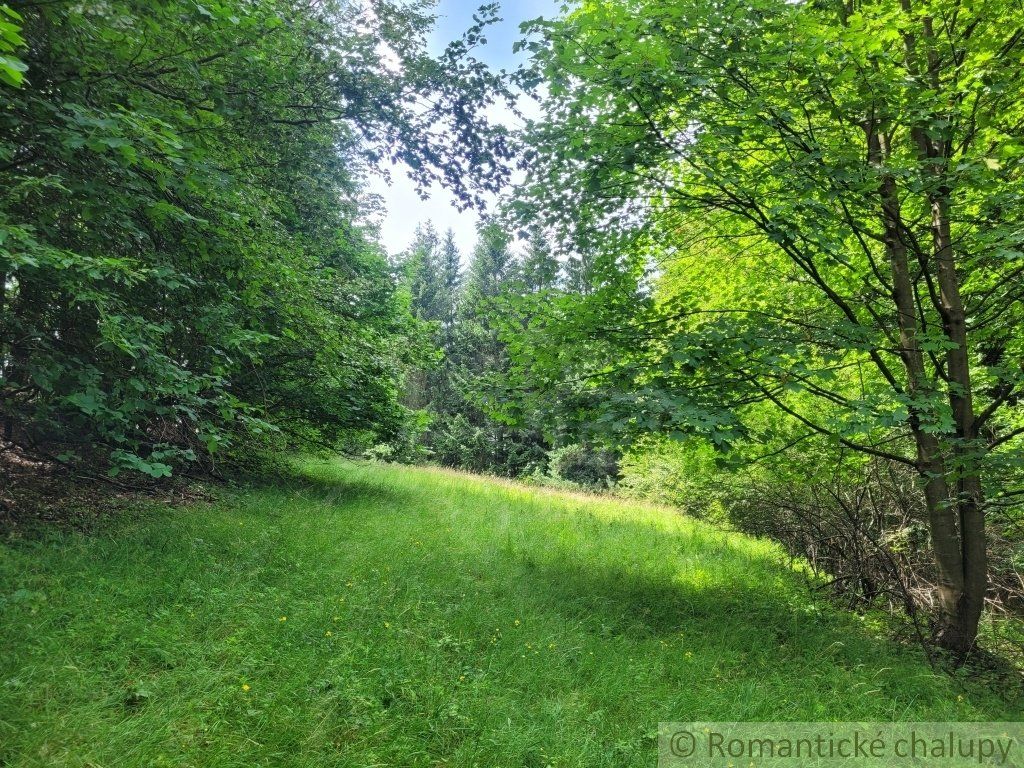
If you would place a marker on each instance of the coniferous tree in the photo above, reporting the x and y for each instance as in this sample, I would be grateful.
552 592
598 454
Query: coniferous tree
422 268
490 272
579 274
489 298
460 397
540 269
450 269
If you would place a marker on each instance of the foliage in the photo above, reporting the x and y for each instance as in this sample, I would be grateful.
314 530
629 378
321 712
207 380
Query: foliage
826 199
684 474
12 68
483 414
469 314
185 267
584 465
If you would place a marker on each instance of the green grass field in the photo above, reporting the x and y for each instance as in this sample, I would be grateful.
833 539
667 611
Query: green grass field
379 616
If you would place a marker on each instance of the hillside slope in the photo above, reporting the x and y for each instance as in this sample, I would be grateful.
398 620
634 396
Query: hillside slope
369 615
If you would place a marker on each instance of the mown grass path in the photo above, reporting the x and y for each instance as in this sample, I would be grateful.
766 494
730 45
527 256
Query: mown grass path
380 616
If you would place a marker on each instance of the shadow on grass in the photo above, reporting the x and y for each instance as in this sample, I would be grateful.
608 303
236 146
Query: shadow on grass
325 481
775 634
639 604
742 593
741 606
704 585
650 598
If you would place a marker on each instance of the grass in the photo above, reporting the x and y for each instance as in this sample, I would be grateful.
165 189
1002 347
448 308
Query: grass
379 616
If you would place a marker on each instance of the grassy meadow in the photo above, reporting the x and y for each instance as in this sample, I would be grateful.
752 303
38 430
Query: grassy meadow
366 615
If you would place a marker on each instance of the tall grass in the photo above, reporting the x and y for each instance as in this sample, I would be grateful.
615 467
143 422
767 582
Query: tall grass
365 615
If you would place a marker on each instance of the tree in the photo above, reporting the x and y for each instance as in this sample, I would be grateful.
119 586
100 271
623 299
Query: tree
423 265
489 278
464 430
184 265
479 351
579 273
450 268
432 301
539 270
491 267
867 156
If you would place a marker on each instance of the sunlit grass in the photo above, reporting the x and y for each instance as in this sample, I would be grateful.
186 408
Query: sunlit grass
366 615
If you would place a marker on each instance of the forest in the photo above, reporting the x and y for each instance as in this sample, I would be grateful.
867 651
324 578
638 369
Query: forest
759 264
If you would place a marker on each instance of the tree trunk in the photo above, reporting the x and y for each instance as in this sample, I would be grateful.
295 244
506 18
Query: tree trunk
958 631
969 496
958 617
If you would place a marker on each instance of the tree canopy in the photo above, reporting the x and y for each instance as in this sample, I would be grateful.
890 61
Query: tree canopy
186 258
821 204
758 244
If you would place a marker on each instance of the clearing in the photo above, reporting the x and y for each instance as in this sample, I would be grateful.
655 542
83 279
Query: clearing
366 615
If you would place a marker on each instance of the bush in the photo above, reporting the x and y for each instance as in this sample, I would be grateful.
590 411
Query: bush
681 473
584 465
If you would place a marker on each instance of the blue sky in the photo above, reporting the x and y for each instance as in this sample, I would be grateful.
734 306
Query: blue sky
454 16
405 208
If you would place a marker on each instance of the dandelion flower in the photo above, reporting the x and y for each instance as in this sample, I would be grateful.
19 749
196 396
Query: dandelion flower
245 686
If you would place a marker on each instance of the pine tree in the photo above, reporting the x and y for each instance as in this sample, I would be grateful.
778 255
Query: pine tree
468 317
490 273
445 396
492 265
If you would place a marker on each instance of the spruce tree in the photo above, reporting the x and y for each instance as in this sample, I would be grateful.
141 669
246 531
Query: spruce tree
422 272
539 270
450 279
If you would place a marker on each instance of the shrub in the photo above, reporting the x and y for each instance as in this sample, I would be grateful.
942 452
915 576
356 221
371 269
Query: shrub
680 473
585 465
